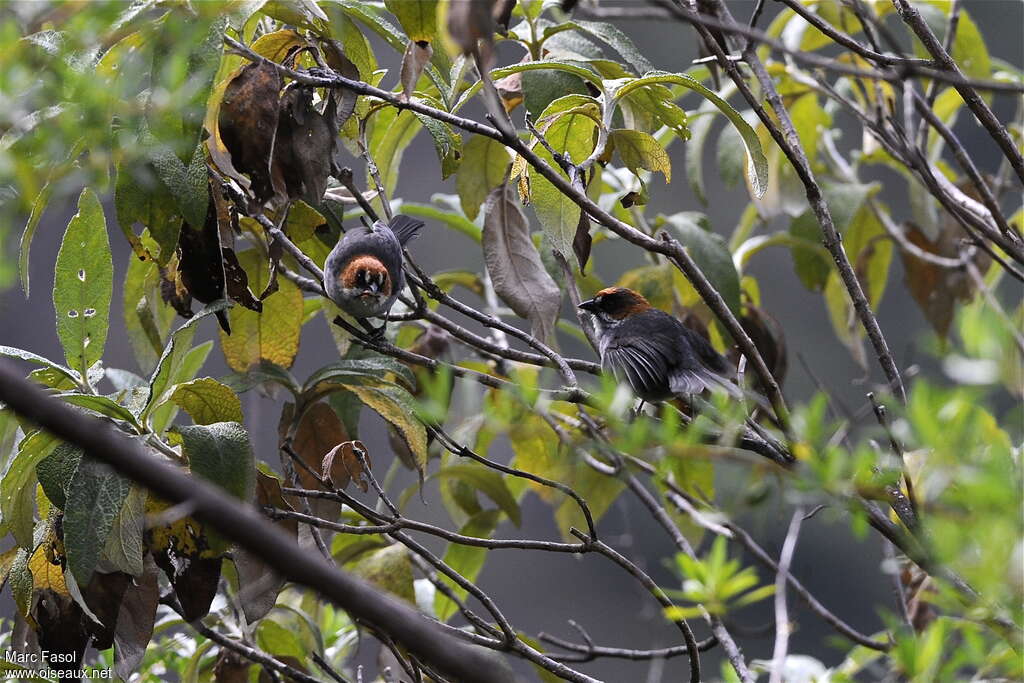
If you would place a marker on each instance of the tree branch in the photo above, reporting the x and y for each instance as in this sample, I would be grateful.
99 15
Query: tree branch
243 525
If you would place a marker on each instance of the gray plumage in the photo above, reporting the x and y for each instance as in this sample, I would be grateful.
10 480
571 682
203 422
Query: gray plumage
363 274
660 358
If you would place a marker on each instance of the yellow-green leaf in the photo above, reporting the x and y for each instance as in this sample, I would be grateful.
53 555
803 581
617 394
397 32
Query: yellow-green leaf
397 406
207 401
485 162
417 17
273 333
388 568
640 150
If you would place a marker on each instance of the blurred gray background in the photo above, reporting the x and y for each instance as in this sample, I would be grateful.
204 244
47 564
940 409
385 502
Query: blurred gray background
538 591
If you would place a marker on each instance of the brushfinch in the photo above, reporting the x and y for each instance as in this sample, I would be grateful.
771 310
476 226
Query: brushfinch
658 356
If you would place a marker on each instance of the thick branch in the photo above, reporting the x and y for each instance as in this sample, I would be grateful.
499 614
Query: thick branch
243 525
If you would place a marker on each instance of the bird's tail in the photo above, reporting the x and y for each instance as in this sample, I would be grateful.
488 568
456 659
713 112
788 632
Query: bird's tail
405 227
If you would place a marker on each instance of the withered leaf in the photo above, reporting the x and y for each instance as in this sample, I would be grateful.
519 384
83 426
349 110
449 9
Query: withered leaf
304 148
344 100
515 267
248 123
135 618
230 668
103 596
510 89
237 282
502 14
342 465
201 266
61 629
582 242
194 579
259 585
318 431
417 56
769 340
937 289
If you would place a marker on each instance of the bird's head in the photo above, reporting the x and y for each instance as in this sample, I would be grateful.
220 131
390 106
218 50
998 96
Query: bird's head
615 304
368 275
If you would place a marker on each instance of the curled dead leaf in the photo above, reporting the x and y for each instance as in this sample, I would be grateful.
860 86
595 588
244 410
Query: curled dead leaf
343 464
417 56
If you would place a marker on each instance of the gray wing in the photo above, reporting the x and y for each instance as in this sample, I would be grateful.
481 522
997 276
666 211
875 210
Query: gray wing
639 362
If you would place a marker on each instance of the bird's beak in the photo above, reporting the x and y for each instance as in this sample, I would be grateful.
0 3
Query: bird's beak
588 305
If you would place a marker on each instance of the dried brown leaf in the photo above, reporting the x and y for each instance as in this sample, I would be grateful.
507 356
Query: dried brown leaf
515 267
342 465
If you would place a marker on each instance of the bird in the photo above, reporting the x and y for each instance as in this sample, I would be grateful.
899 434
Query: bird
363 274
659 357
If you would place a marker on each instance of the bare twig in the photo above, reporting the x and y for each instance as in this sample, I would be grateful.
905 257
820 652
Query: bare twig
782 626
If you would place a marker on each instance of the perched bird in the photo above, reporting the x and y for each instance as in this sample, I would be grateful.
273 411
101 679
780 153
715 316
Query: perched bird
658 356
363 274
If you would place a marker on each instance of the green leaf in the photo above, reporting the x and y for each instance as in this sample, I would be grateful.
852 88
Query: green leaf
270 335
812 265
278 640
446 144
174 360
485 163
393 130
757 170
640 150
487 481
417 17
362 369
570 134
467 560
207 401
140 197
619 42
56 471
18 487
164 414
559 89
147 319
710 252
389 569
38 207
375 21
449 218
21 354
83 285
187 185
94 501
101 405
398 407
221 453
124 548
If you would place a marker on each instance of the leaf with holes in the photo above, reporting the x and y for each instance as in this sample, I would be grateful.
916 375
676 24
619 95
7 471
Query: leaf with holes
83 285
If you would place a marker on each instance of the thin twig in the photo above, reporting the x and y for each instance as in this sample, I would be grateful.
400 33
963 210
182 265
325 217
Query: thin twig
782 626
